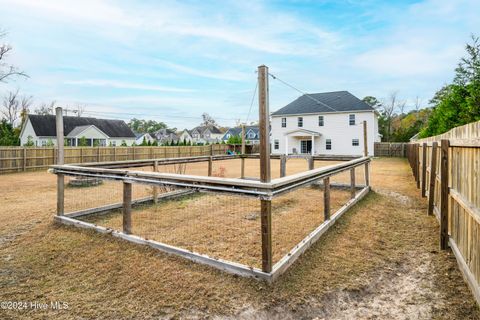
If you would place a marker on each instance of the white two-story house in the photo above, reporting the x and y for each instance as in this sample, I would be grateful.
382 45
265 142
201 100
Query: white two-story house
329 123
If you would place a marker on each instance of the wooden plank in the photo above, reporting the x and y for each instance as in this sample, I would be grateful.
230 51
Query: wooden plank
60 138
444 188
424 169
466 272
417 165
266 230
365 140
326 198
311 164
433 173
473 211
127 207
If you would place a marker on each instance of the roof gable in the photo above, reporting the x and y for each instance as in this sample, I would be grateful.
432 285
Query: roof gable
77 131
337 101
45 126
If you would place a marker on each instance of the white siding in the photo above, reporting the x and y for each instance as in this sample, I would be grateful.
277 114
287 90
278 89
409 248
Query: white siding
28 131
336 127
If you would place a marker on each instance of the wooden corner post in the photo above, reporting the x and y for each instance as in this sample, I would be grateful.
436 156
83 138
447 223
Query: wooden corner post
242 173
424 169
433 178
283 165
60 161
444 191
265 175
326 198
127 207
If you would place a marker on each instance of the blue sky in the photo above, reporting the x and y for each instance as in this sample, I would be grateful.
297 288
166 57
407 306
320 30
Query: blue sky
172 61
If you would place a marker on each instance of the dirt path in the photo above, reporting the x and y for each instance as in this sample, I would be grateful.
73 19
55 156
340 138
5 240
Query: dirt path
380 261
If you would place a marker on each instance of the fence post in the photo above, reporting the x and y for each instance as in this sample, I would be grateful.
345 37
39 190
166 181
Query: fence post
424 169
444 191
365 154
265 174
60 161
127 207
210 166
326 198
98 154
155 188
211 149
311 164
417 164
352 183
283 165
242 175
24 159
433 178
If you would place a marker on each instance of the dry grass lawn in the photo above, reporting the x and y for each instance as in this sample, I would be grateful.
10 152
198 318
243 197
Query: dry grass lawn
381 260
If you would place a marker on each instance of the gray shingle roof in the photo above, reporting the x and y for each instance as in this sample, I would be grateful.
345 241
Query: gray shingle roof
45 125
337 101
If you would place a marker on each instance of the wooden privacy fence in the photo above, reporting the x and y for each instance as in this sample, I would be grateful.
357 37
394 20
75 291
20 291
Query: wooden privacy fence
390 149
15 159
447 171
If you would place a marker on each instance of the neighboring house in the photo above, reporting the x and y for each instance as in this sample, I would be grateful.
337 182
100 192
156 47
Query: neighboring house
185 136
164 136
324 123
102 132
252 134
140 136
415 137
204 134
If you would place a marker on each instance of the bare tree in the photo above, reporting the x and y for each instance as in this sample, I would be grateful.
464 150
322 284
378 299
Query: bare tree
207 120
11 107
7 70
45 109
78 110
389 107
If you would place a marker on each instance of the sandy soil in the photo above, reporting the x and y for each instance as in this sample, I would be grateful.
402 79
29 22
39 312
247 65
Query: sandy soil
380 261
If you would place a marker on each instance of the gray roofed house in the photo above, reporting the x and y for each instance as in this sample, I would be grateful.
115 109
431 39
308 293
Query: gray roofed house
252 134
328 123
204 134
336 101
41 130
165 135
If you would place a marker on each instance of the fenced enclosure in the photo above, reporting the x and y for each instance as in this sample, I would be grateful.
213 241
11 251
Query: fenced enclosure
15 159
447 171
200 209
390 149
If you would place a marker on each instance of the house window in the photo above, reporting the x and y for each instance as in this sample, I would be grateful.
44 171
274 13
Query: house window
351 119
251 135
44 143
300 122
320 121
355 142
328 144
114 143
228 135
276 145
284 122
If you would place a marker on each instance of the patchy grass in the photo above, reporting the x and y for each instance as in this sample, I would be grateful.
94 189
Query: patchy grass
381 260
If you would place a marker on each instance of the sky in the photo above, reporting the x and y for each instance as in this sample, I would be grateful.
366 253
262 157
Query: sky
172 61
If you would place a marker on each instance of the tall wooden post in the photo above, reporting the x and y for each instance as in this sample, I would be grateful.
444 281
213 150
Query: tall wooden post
444 191
155 188
283 165
326 198
352 183
60 161
424 169
417 164
24 159
127 207
265 174
433 178
242 174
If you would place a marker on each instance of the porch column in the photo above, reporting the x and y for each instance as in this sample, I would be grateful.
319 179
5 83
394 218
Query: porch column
313 144
286 145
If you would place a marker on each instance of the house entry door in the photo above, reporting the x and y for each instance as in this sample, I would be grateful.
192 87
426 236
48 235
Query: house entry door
306 146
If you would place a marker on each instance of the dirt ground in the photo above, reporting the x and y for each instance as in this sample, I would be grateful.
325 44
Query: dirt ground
380 261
